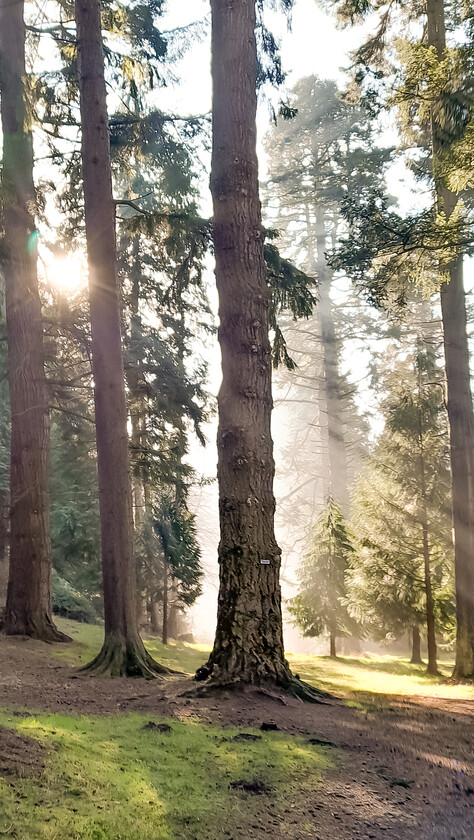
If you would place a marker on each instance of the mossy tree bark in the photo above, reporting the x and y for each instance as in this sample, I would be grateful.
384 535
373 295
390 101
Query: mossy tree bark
123 653
460 409
28 604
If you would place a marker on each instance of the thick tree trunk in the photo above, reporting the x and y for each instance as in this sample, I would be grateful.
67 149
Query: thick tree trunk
332 644
248 646
123 652
460 410
28 608
416 646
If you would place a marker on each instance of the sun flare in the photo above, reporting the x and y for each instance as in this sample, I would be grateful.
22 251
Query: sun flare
66 274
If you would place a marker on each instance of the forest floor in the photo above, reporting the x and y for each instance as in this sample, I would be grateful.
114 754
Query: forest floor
84 758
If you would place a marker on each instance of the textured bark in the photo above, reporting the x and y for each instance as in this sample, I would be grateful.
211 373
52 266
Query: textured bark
416 646
248 646
28 608
460 410
122 652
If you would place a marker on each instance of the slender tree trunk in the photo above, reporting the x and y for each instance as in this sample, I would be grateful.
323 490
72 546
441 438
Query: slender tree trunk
173 620
123 652
4 525
28 608
338 485
416 646
332 644
430 619
460 410
164 630
155 616
248 645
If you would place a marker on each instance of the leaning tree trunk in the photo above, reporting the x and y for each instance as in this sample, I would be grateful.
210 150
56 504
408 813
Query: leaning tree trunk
460 410
416 646
123 652
248 646
28 605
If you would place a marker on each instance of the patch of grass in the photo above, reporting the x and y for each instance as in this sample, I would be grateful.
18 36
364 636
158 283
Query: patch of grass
352 677
376 675
112 779
87 641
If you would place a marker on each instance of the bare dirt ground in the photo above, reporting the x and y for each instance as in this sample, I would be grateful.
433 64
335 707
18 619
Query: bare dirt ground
403 770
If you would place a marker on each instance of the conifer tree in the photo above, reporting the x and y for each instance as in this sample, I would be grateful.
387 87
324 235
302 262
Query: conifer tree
123 652
320 606
401 572
28 608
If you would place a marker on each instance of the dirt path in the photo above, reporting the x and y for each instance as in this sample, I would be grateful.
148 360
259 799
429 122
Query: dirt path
404 771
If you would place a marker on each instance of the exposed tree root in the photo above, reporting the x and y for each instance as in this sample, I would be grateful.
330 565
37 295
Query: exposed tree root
39 627
120 657
307 693
293 686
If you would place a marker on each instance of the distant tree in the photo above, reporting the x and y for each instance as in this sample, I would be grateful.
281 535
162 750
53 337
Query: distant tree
320 606
434 96
28 608
401 572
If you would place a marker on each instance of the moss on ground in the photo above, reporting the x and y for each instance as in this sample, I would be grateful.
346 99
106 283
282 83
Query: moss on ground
114 779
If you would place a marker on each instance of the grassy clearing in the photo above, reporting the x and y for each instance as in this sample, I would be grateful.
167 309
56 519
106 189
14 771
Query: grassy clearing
111 779
349 676
377 675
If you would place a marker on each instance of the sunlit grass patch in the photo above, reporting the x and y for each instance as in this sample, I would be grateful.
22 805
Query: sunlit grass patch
377 675
87 641
112 779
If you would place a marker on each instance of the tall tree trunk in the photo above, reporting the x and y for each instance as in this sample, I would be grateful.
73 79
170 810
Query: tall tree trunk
430 619
123 652
416 646
332 644
338 486
164 629
4 525
155 616
28 608
460 410
248 645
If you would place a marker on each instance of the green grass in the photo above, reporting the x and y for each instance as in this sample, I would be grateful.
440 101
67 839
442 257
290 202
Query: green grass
110 779
350 676
88 640
377 675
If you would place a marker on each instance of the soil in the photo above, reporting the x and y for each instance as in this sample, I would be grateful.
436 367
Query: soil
403 770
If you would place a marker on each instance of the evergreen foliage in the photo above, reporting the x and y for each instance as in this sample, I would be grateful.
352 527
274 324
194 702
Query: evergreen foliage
320 606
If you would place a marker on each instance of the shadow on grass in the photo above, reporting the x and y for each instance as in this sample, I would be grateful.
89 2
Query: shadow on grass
116 778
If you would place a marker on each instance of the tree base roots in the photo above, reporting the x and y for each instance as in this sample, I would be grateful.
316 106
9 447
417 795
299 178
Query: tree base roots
125 658
43 628
289 685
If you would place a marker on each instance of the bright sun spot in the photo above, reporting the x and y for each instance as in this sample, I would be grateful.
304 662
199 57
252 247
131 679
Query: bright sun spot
66 274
